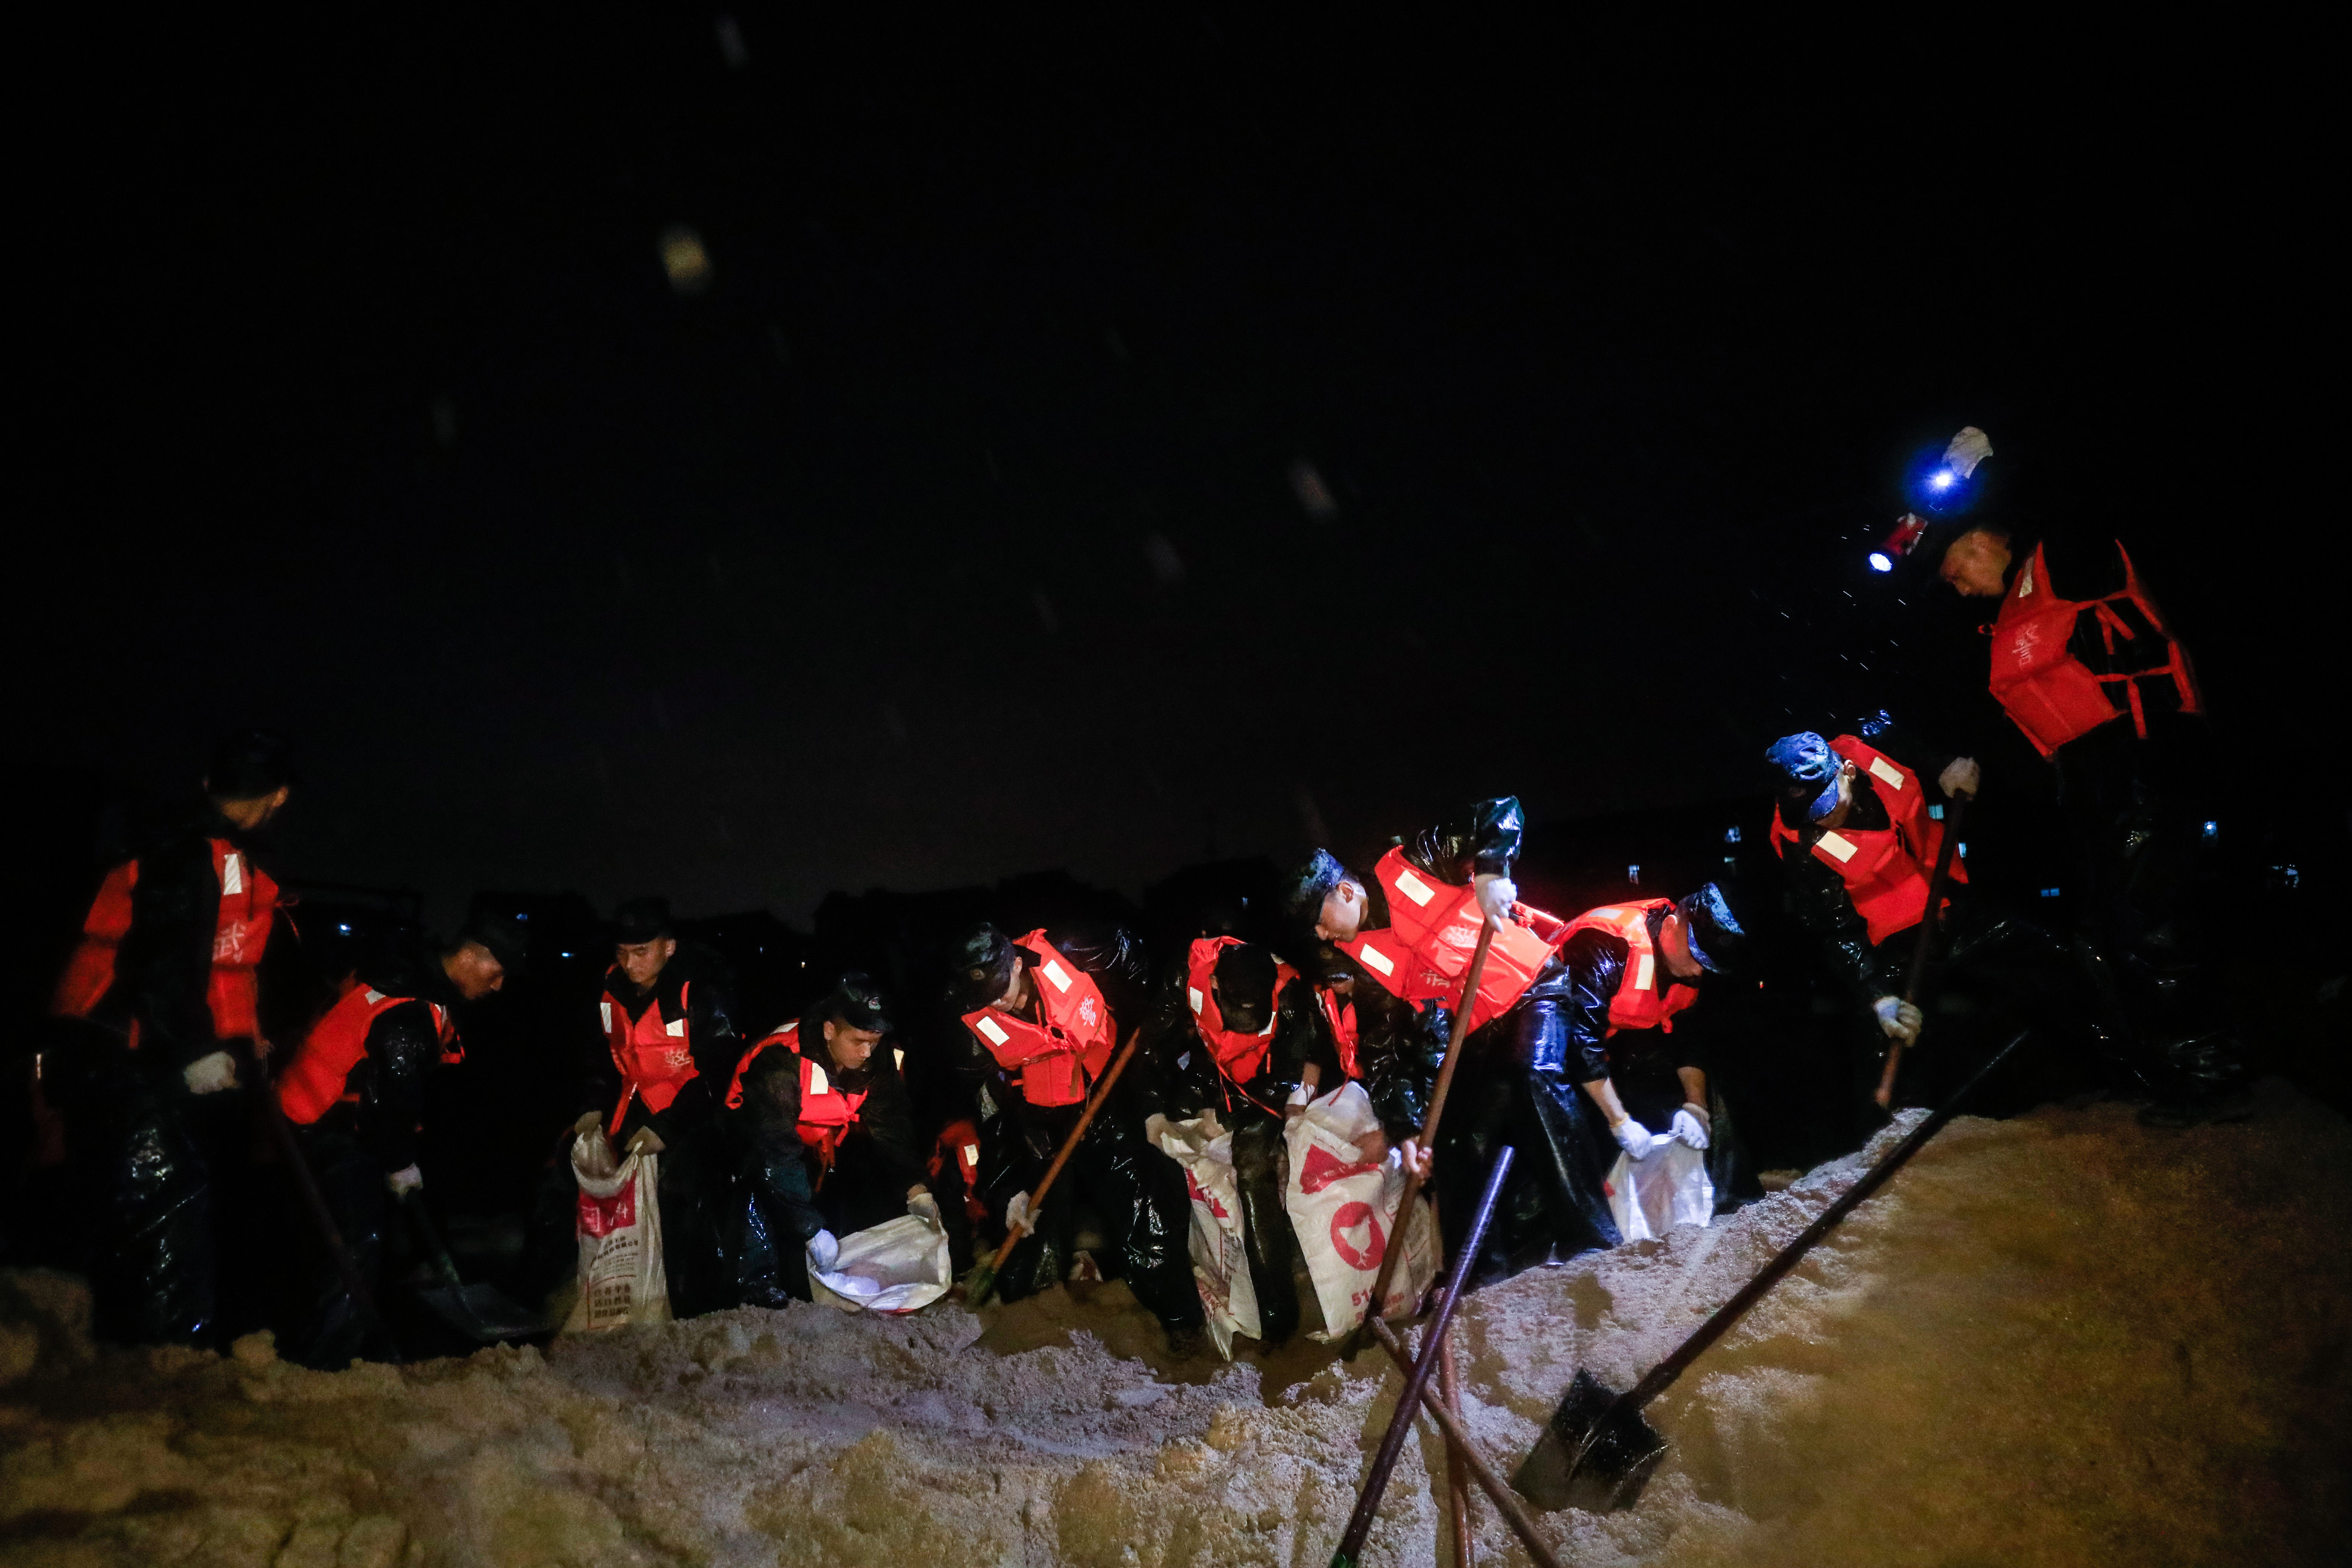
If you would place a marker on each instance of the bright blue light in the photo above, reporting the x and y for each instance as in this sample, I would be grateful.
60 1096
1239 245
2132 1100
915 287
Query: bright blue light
345 929
2213 830
1879 563
1941 480
2049 893
1731 835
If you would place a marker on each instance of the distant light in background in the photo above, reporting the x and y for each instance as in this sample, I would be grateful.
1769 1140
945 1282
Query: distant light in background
1876 724
1314 495
730 43
685 260
1634 875
1731 835
2213 830
1936 812
1166 564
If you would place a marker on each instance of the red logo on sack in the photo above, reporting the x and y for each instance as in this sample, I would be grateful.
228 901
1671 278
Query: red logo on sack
602 1216
1323 1168
1351 1219
1199 1195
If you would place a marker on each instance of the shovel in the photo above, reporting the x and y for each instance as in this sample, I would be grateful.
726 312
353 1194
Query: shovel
1598 1452
481 1313
982 1280
1886 1094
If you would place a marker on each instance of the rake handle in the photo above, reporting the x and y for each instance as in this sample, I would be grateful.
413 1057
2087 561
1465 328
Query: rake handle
1886 1093
1069 1146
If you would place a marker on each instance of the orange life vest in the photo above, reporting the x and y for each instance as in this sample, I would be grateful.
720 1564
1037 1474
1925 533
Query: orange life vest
1423 952
959 1144
1886 869
1639 1004
655 1054
318 1075
1342 1017
1238 1056
2054 696
1058 1058
248 904
828 1113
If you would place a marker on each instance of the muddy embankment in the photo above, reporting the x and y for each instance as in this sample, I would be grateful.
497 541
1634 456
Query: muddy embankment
2057 1339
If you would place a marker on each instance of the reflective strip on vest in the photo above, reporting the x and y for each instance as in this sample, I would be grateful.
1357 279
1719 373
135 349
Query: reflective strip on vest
1637 1003
1054 1060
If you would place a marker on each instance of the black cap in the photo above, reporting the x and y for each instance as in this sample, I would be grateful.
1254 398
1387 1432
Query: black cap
857 1002
642 920
248 765
1305 889
1246 975
983 967
1716 934
502 935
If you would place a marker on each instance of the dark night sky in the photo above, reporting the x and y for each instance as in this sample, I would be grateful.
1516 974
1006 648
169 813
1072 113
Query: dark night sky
948 533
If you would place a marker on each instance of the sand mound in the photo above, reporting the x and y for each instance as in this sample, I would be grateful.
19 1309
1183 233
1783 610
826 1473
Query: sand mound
2059 1338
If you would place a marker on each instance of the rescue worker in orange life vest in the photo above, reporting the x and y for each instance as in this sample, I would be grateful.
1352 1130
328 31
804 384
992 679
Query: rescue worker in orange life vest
1638 1052
1858 847
1411 926
2086 664
823 1139
1047 1008
668 1017
158 1013
1238 1033
354 1090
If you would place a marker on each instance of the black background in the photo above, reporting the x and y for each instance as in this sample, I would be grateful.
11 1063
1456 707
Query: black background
948 533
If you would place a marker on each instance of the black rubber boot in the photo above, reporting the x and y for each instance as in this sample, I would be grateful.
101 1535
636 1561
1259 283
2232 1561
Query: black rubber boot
1265 1233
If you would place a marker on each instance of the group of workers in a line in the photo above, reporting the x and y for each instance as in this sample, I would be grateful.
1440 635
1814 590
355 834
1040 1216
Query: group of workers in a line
1572 1051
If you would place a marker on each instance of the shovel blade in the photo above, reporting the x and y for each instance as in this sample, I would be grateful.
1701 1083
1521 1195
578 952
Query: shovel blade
1594 1455
481 1313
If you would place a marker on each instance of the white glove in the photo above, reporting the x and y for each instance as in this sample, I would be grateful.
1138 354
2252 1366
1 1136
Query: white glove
1636 1140
1496 894
1017 1213
924 1206
210 1075
824 1249
1692 1125
1961 776
1967 450
399 1183
1898 1018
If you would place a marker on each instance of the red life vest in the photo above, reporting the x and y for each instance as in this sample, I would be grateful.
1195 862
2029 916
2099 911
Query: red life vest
1423 952
1886 869
1639 1004
317 1077
959 1144
1058 1058
655 1055
828 1113
2054 696
1238 1056
248 904
1342 1017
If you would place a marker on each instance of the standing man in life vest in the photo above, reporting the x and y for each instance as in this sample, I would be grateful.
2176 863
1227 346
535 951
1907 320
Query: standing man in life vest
354 1090
1411 926
823 1139
2086 663
1048 1007
668 1017
162 999
1246 1038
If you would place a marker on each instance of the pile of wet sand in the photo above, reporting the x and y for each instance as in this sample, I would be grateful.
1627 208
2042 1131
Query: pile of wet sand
2057 1339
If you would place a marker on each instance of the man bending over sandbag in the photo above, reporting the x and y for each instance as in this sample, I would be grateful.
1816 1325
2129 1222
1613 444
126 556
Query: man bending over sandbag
1237 1033
823 1139
1632 971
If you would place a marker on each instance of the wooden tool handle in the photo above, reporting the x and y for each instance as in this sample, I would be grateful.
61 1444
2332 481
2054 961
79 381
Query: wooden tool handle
1069 1145
1885 1093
